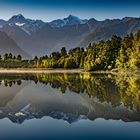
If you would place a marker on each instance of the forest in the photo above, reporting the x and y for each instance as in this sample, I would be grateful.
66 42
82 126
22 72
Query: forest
116 53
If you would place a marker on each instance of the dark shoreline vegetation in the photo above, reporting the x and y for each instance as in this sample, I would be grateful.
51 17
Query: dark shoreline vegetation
112 89
115 54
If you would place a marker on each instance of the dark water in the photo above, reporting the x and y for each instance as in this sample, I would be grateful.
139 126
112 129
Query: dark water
69 106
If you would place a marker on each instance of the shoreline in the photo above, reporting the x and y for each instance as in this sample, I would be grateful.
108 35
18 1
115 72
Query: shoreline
37 71
30 71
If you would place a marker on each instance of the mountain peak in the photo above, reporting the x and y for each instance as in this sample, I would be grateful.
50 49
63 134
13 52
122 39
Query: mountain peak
17 18
71 16
128 18
70 20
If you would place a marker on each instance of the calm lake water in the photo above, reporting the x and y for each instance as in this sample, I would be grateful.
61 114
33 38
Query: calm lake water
69 106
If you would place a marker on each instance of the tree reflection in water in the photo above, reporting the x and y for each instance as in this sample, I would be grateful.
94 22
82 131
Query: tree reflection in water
112 89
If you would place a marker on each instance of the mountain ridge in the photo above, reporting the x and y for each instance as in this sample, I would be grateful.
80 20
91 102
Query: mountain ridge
8 45
40 38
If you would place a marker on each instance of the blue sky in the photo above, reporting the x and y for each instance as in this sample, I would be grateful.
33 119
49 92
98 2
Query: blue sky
48 10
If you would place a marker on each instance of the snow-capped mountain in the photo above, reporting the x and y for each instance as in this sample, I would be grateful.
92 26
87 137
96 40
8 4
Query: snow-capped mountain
27 25
39 38
17 18
30 25
70 20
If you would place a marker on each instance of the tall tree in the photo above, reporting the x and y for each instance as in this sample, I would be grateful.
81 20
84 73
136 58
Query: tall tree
19 57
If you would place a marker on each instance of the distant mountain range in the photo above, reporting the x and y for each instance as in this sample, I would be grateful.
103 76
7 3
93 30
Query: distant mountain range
70 20
39 38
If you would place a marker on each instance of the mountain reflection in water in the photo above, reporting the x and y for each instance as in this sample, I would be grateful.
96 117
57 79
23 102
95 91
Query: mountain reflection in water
70 97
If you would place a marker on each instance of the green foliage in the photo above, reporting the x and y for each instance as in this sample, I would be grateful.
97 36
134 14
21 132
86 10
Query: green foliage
114 53
63 51
106 55
19 57
115 90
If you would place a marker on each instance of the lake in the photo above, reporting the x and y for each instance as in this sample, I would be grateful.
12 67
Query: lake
69 106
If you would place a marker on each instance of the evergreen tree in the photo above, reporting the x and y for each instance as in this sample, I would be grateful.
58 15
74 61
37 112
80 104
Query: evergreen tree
19 57
63 51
